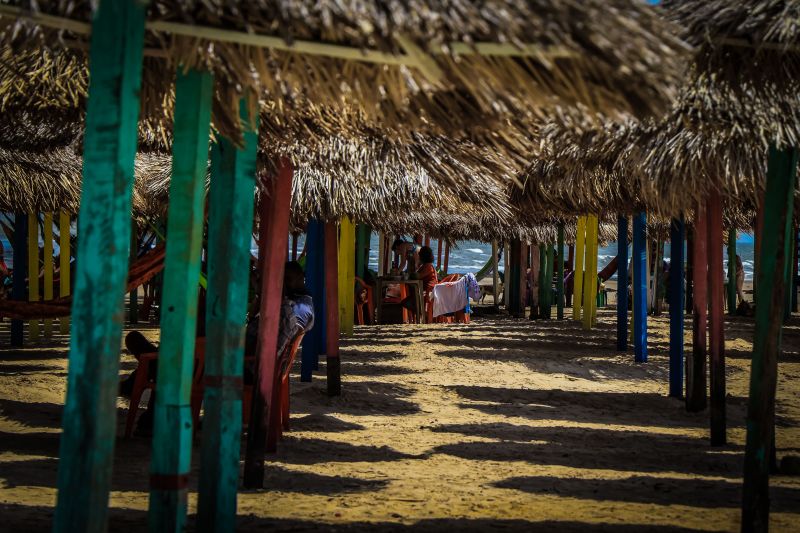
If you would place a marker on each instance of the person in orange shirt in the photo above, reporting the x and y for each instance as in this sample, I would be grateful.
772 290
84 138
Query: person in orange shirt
427 273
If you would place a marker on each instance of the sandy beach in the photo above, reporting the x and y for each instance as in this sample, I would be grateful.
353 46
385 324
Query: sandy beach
501 424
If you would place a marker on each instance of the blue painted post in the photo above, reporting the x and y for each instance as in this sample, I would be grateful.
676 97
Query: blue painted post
18 289
104 226
622 283
640 287
314 340
676 302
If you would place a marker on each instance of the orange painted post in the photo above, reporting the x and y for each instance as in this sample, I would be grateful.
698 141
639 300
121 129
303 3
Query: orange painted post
716 324
696 359
274 206
331 260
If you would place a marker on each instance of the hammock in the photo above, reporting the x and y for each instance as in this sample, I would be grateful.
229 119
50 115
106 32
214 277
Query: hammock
141 271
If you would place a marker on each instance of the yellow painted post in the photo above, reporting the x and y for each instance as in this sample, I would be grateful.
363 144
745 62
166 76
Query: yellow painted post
347 272
47 237
64 266
33 271
577 275
590 272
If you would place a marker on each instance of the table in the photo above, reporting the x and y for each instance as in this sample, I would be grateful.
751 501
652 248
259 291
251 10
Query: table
382 282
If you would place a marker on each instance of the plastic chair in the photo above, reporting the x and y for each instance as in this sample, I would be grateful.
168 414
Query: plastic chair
279 415
362 285
143 382
458 316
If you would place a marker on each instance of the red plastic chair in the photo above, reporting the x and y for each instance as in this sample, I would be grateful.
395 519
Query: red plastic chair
143 383
362 285
279 415
458 316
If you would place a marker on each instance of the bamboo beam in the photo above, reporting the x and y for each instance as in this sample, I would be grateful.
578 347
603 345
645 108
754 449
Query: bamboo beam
64 276
230 221
347 250
172 428
640 278
274 233
20 246
33 271
622 283
696 360
331 319
109 148
47 260
781 183
732 271
577 276
677 300
716 322
560 273
314 342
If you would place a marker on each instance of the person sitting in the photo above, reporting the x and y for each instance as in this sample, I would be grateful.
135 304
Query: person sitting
427 273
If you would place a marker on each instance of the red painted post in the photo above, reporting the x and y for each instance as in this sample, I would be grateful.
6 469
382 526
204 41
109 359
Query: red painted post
696 359
332 309
274 212
716 324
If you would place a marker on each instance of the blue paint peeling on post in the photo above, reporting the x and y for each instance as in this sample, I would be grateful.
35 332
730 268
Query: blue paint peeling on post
314 340
640 287
676 302
622 284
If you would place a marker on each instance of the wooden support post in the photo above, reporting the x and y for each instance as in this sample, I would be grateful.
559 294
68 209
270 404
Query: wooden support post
133 296
779 197
560 273
551 259
294 246
439 254
507 274
622 283
648 275
716 322
381 250
47 260
658 270
495 276
689 269
696 360
513 303
331 323
732 303
347 245
172 427
446 257
640 287
109 148
590 272
676 303
314 341
524 262
230 222
65 281
18 287
33 271
789 245
361 250
577 276
539 273
274 234
794 243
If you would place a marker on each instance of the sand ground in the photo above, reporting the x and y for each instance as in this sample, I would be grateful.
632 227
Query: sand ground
501 424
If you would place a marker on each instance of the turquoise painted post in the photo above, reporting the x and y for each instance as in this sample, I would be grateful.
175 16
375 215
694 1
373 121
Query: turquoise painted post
172 430
640 287
90 413
779 196
230 222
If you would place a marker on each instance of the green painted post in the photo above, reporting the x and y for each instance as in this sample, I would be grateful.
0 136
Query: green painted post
230 222
90 413
781 173
732 271
560 273
172 430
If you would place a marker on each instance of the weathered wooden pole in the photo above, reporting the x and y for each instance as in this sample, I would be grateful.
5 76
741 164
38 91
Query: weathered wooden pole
314 340
560 273
381 250
347 247
514 303
230 221
777 209
577 275
507 275
716 322
676 302
331 322
294 245
495 275
689 268
274 213
361 246
65 281
33 271
640 287
732 271
133 295
446 257
539 273
47 261
439 254
696 360
109 148
548 280
18 288
172 423
622 283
